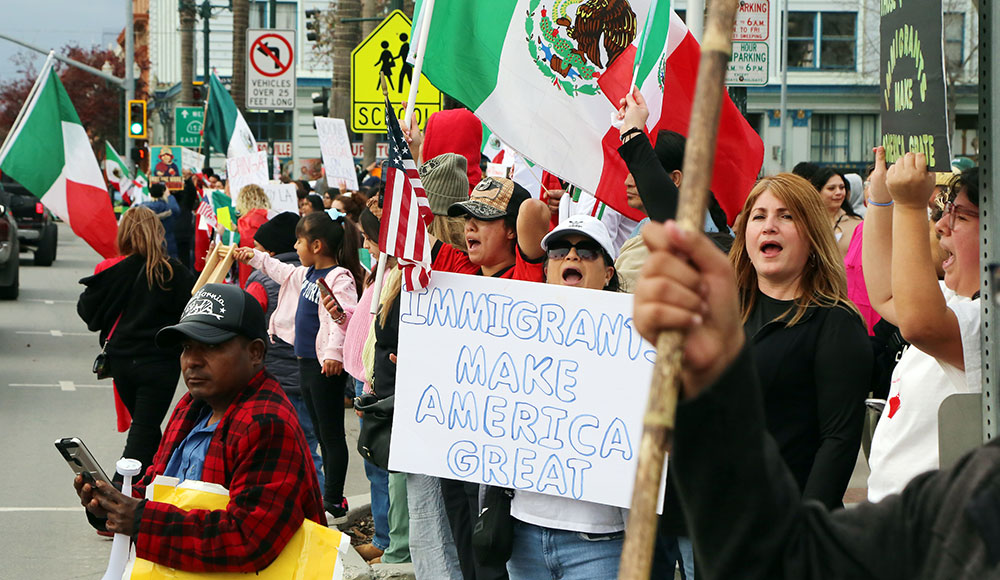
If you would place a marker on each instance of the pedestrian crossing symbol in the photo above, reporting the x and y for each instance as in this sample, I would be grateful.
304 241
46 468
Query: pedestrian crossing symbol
385 51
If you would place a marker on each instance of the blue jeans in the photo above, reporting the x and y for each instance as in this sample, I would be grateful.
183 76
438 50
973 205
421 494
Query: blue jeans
432 547
307 428
687 556
549 554
378 480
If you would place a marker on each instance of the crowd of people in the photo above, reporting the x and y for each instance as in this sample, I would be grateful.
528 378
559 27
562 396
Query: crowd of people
785 340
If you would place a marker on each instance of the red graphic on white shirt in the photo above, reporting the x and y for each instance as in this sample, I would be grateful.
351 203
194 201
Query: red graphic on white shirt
893 406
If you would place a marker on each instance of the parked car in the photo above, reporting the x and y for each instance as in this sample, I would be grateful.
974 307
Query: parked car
36 225
9 250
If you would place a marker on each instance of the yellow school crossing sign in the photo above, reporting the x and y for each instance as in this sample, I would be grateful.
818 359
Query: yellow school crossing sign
385 50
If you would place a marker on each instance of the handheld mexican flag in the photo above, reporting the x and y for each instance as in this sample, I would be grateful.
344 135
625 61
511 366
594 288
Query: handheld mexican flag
225 130
549 83
116 170
140 188
48 152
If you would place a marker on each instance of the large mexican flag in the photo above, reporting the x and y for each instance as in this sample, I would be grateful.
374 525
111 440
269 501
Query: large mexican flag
49 153
549 83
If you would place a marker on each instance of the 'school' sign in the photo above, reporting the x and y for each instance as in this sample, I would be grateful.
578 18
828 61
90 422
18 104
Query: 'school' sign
522 385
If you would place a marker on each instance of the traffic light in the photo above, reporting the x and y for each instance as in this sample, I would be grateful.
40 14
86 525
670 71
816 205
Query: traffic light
137 119
312 24
321 103
196 91
139 153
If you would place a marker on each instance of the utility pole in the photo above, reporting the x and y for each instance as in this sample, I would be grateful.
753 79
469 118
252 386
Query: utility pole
272 22
129 73
241 21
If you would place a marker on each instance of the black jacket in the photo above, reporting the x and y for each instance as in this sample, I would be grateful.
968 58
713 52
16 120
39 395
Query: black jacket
814 378
122 290
748 520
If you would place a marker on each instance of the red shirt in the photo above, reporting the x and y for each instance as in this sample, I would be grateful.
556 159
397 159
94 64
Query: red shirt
446 258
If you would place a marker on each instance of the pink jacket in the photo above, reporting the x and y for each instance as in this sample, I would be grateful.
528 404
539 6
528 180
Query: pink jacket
357 335
330 338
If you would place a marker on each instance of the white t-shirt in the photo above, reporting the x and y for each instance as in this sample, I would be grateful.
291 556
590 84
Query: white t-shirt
561 513
905 443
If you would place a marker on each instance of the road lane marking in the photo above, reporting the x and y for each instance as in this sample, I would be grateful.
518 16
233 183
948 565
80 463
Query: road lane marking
63 385
58 333
39 509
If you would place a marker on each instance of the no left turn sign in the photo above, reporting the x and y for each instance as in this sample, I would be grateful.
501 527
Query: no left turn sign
270 69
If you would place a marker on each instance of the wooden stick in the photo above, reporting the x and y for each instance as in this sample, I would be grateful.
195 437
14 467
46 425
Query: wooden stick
637 553
382 257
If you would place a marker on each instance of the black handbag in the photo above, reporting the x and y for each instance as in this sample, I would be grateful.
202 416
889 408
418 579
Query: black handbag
493 535
376 428
101 362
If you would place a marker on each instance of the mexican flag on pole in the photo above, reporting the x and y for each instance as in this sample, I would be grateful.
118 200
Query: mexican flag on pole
116 170
225 130
550 82
48 152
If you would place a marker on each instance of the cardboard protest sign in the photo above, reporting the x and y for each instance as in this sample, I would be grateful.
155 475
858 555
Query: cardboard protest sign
165 166
529 386
335 145
282 196
914 101
245 170
191 159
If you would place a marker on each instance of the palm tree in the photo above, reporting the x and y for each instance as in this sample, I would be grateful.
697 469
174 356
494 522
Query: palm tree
346 35
241 21
187 11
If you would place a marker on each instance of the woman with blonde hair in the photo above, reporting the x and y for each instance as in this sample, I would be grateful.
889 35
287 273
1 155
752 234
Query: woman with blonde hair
252 206
809 342
128 300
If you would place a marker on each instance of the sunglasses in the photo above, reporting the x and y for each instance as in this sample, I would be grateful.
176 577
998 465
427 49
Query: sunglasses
586 250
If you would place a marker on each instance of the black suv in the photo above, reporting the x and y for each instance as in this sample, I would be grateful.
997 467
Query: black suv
9 249
36 227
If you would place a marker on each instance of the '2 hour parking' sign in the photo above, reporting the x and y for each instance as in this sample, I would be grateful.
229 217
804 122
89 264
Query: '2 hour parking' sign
270 69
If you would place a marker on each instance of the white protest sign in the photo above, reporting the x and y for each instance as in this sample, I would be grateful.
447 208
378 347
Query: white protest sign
530 386
246 169
282 196
338 158
191 159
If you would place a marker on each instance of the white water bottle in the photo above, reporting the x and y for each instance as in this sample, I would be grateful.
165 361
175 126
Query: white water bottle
127 468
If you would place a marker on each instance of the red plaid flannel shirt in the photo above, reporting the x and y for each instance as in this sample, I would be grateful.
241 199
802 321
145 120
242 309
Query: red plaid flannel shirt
259 453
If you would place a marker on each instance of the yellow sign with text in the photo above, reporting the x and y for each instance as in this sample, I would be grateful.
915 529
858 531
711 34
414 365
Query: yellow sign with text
385 51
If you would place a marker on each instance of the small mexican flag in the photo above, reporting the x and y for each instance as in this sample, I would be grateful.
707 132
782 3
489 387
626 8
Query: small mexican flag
116 170
49 153
225 130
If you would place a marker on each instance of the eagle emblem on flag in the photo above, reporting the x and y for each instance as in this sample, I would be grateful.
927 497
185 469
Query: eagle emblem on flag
574 41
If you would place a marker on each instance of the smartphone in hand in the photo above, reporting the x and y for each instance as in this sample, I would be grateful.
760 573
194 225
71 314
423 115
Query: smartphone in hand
80 460
324 289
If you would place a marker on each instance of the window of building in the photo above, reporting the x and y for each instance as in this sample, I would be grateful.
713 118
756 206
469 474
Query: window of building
285 15
954 41
822 40
843 138
259 126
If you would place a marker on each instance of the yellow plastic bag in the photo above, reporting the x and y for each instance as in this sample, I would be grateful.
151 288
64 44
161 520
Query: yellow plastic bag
313 553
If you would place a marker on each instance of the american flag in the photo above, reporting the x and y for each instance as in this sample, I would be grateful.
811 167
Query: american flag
207 214
405 210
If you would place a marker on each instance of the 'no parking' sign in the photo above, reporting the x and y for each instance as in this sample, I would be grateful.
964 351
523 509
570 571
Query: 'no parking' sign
270 69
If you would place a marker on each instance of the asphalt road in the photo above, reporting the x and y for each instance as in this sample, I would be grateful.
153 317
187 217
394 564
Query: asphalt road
47 391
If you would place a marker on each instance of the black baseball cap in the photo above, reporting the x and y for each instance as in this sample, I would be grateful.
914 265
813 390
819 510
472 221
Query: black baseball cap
215 314
494 198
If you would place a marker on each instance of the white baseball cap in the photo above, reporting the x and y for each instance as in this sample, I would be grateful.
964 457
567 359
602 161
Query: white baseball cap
585 225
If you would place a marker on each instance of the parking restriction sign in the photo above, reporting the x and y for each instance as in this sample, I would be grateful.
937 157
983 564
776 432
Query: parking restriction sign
270 70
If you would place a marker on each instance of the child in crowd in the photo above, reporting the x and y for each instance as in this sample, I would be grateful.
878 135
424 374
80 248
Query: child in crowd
328 250
277 238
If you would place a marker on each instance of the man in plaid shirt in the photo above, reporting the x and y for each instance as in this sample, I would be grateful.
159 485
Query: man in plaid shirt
235 427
